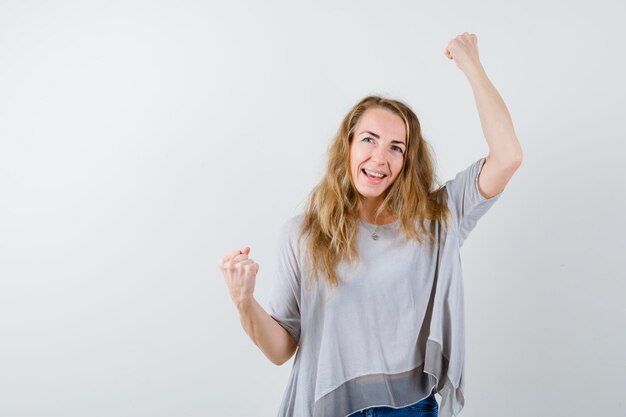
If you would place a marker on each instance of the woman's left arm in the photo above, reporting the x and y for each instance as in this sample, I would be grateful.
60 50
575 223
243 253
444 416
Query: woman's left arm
505 152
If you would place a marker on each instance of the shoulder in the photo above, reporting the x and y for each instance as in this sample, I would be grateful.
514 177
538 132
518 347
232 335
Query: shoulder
291 227
293 222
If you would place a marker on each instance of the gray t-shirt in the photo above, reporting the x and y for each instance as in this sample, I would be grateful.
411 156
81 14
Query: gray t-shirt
394 328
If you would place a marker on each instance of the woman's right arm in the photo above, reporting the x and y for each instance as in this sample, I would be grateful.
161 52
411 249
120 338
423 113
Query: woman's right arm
272 338
240 274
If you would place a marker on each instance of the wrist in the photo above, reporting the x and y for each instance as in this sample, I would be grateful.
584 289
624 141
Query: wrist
476 73
244 304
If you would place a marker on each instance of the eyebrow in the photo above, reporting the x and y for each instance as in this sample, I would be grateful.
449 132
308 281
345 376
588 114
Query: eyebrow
378 137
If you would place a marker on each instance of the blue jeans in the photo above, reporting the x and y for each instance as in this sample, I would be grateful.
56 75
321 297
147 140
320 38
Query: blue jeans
428 407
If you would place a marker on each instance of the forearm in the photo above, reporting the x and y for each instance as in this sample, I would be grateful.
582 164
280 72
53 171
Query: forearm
494 117
273 340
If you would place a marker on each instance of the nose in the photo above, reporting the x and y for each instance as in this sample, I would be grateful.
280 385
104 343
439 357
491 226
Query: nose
378 155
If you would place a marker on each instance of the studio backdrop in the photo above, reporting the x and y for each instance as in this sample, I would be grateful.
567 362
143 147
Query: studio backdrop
140 141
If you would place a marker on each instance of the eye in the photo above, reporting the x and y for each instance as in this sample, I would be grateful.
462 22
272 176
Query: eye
396 148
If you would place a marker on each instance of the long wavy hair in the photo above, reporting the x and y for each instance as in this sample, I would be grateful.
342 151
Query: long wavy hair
331 213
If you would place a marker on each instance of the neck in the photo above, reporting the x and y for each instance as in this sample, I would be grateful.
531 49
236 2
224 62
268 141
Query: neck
367 211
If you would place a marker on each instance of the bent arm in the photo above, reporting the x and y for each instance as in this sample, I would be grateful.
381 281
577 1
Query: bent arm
272 338
505 152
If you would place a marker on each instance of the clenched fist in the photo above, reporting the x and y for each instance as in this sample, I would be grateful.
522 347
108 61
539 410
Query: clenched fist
463 49
240 274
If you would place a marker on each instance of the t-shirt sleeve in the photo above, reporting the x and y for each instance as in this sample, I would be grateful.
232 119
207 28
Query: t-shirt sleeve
284 300
465 202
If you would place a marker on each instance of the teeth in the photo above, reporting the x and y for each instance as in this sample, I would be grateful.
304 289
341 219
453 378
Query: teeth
373 174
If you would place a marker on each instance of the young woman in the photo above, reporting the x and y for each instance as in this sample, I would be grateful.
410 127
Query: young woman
369 286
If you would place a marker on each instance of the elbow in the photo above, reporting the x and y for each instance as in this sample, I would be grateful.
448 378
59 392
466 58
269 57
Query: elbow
515 162
509 154
511 160
518 158
280 362
288 355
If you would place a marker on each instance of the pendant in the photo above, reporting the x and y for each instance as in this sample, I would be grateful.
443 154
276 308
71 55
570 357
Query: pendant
374 235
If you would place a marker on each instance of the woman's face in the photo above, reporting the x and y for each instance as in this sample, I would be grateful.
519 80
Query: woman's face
378 145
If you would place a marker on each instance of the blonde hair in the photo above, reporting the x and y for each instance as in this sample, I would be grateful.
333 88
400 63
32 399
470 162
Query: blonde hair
331 212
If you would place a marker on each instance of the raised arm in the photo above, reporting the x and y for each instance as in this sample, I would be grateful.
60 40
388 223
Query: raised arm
505 153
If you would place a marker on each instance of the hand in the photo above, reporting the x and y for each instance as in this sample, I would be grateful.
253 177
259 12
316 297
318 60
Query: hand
464 51
240 275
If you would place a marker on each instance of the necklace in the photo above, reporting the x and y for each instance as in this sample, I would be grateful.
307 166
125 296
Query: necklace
374 234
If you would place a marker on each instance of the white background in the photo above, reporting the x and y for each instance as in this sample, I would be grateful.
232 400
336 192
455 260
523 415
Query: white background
142 140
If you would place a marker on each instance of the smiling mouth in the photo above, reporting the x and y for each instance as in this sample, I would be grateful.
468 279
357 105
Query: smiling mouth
372 176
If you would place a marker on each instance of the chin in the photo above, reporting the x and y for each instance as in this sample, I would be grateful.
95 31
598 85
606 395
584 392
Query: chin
370 194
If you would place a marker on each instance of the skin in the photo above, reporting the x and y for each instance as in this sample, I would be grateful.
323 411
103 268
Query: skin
240 275
378 154
463 50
